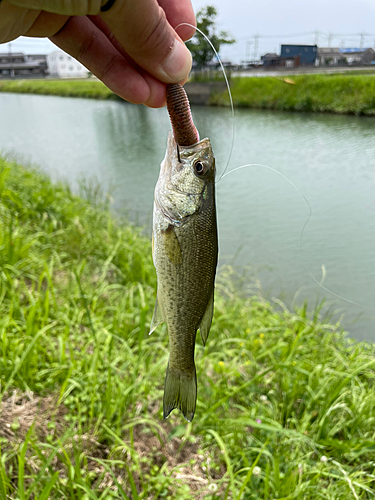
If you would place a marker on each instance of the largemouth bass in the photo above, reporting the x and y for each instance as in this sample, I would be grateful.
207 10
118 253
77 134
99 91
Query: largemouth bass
185 250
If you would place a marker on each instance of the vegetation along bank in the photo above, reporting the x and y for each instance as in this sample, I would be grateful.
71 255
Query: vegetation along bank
333 93
285 403
93 89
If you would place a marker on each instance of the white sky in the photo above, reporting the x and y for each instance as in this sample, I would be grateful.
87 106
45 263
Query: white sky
245 18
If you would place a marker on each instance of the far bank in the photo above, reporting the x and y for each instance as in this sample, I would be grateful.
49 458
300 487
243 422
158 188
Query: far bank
331 93
324 93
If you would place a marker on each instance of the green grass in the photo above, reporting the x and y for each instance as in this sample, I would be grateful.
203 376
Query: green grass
336 93
67 88
285 401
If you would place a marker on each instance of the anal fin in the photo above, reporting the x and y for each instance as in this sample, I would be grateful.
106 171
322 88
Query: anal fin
205 325
157 317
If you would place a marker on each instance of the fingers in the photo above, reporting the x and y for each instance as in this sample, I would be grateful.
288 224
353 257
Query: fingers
14 21
177 13
157 89
132 48
141 27
46 24
89 45
63 7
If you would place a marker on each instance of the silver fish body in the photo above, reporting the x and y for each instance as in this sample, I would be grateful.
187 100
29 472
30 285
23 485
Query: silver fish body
185 250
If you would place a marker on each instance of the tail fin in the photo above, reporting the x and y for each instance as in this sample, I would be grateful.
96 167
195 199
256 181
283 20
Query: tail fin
180 391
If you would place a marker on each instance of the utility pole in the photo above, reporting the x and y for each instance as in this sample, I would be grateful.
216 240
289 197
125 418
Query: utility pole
248 50
329 39
256 43
316 40
362 40
11 62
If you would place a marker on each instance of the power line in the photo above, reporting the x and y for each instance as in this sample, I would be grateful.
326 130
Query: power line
316 33
281 36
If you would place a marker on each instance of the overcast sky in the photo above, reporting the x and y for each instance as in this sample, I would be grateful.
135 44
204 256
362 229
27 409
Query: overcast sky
271 18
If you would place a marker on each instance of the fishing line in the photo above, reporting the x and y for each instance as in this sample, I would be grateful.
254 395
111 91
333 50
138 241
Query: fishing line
225 173
228 87
319 283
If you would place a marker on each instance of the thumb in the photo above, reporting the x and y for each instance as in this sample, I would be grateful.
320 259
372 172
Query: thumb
141 27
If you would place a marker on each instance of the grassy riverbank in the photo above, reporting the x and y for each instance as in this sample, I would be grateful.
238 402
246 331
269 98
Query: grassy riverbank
92 89
336 93
285 402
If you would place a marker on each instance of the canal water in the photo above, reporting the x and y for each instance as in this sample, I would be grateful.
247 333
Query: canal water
330 159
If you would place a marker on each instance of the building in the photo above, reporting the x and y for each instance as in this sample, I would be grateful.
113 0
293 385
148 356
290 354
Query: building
358 56
271 59
42 58
291 56
299 55
62 65
18 65
330 56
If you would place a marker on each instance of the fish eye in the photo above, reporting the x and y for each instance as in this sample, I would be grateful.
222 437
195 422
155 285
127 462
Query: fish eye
199 168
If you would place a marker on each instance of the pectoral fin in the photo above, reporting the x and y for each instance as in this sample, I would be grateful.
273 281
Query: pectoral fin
205 325
157 317
172 246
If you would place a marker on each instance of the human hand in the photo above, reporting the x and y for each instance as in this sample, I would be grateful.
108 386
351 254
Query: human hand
132 47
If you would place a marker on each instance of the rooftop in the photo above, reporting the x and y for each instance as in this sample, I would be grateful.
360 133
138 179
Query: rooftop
354 50
12 54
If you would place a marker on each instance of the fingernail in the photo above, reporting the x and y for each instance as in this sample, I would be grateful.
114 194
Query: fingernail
178 64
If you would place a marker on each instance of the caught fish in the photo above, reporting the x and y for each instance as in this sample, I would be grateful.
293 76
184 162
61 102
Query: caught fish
185 250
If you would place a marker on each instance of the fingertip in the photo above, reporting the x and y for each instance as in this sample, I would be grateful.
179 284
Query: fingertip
157 97
185 31
180 16
136 94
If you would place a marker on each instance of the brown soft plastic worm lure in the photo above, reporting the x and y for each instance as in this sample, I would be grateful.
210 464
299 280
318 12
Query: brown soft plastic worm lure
178 106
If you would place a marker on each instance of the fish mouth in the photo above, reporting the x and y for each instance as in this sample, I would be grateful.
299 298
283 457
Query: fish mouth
176 153
184 130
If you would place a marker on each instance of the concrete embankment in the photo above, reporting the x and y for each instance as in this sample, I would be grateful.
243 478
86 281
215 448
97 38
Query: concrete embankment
201 92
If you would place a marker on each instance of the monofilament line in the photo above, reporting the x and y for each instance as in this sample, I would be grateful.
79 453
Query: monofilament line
302 231
228 87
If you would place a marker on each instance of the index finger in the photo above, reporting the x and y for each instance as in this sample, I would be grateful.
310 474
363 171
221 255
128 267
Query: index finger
177 12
